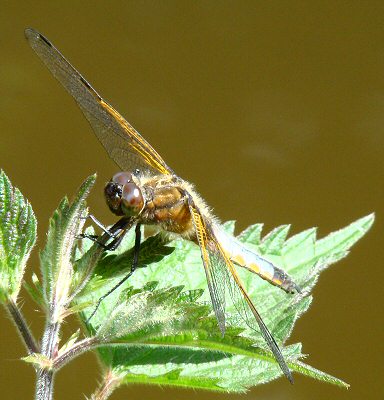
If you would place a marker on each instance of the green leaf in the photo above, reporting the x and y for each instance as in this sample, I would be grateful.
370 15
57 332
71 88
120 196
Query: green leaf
117 264
58 255
152 250
274 241
78 307
35 290
147 313
69 343
17 237
163 322
39 360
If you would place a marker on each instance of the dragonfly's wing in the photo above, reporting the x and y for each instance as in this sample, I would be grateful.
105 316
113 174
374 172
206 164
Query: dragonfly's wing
220 270
247 309
121 141
213 271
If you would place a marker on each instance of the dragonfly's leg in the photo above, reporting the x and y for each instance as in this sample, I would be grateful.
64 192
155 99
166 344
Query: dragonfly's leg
133 267
115 242
87 236
95 221
95 238
116 232
100 225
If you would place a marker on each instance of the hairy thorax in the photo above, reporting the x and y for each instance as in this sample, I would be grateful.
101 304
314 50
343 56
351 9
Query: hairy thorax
167 200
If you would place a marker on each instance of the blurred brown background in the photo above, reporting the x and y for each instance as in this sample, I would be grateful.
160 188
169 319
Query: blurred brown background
275 110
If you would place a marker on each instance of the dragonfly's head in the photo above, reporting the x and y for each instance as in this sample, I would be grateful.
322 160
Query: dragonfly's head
123 195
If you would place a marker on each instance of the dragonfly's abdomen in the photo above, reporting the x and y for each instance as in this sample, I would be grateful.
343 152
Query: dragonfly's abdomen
245 258
265 269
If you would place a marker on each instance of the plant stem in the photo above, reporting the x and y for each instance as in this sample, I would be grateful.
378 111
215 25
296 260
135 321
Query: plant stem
45 376
107 387
21 325
77 349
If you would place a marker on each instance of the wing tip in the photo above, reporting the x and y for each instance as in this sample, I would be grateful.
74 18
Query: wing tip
32 35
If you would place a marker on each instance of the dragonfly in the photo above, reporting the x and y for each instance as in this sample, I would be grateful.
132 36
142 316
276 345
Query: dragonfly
147 191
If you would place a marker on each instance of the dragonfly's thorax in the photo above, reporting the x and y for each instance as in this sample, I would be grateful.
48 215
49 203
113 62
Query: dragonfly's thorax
166 204
154 200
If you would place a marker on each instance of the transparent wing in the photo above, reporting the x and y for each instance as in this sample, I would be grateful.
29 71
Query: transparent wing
220 271
247 309
121 141
215 276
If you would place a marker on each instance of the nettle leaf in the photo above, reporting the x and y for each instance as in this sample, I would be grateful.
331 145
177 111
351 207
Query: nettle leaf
144 315
39 360
69 343
17 238
188 349
35 291
113 266
57 257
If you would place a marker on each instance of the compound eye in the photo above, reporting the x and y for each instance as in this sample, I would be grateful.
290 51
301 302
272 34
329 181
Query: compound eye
112 192
132 199
122 178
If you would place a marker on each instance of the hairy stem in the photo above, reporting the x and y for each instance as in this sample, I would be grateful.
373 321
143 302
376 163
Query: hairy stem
22 327
45 376
77 349
106 388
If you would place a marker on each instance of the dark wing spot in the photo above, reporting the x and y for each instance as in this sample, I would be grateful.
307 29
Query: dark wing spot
89 87
45 40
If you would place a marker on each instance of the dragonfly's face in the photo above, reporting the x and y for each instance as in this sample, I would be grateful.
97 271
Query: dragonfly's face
123 195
